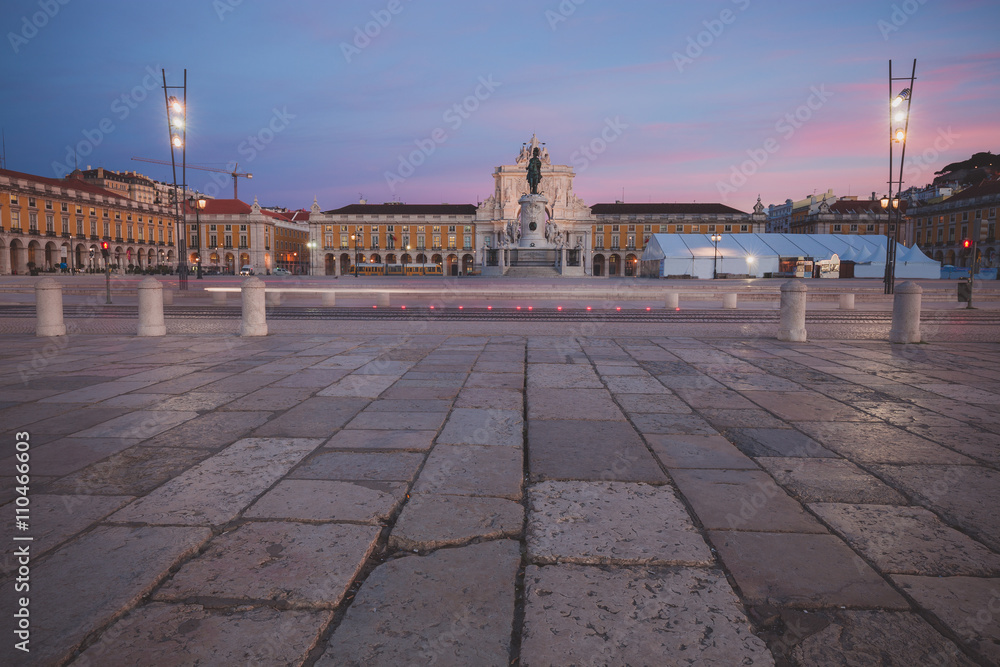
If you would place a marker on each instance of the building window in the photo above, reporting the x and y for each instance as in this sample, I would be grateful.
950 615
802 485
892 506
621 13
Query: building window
728 228
420 239
65 225
614 243
228 241
437 240
65 207
48 205
343 241
452 243
614 228
213 240
836 228
744 228
854 228
630 241
599 241
13 200
33 222
467 242
79 227
871 228
50 224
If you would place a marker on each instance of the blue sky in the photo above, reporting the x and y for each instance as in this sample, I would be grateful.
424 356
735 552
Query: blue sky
419 101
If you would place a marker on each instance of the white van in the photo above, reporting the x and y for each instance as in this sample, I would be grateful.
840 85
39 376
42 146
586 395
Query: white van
247 270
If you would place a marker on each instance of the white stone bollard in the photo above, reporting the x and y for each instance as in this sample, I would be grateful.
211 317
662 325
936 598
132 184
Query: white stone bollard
272 298
847 302
168 297
49 308
151 308
673 300
329 298
382 299
729 301
254 322
906 314
219 298
793 312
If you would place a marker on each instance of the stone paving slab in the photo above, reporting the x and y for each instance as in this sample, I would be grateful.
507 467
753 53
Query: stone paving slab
879 443
313 418
106 572
908 540
214 430
802 570
142 424
68 454
586 450
698 451
398 421
162 634
576 615
432 521
742 500
611 523
301 565
829 480
55 518
482 426
131 472
381 440
877 638
775 442
452 607
472 470
969 606
205 495
553 403
381 466
326 500
966 497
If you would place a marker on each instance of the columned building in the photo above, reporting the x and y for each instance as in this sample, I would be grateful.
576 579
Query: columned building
497 238
941 228
366 234
47 222
229 234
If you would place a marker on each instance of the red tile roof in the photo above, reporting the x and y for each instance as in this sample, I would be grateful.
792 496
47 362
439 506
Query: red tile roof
74 183
861 206
981 189
221 207
664 209
405 209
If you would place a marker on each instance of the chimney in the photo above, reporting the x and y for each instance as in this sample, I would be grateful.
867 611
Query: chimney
873 196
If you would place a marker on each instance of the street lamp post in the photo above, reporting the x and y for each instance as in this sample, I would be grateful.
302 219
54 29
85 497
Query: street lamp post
198 204
899 123
177 129
354 237
715 259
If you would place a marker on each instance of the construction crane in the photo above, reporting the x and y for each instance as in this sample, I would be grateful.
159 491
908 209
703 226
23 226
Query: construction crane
236 176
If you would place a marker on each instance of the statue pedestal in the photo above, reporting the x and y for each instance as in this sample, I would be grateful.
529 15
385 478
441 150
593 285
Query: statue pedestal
533 222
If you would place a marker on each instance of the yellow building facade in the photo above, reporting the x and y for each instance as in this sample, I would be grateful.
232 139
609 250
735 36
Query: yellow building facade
51 224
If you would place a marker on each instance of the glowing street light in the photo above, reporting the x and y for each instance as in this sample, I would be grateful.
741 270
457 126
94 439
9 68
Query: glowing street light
715 259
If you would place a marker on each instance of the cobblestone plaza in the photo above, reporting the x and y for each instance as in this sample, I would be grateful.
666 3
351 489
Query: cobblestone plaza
490 493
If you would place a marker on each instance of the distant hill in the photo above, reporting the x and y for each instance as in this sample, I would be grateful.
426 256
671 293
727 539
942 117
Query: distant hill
969 172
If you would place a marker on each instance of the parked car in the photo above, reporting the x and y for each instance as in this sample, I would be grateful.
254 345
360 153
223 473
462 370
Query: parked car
247 270
281 272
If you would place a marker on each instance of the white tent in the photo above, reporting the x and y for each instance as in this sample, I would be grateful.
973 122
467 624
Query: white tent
758 254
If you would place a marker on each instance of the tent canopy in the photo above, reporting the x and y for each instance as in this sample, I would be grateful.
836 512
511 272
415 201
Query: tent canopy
755 254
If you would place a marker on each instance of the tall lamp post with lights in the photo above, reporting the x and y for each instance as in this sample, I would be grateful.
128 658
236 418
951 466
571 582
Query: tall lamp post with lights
177 129
899 123
715 258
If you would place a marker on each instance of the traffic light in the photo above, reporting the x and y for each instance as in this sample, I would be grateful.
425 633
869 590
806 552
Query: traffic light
105 249
966 243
